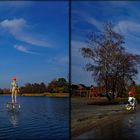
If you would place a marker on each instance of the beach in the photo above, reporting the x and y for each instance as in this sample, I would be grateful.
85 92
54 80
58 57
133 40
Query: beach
85 116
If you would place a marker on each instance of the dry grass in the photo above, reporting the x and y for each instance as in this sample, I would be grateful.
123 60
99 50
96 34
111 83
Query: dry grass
57 94
47 94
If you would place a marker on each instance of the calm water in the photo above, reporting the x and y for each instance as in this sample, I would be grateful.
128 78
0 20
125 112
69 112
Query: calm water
38 118
125 128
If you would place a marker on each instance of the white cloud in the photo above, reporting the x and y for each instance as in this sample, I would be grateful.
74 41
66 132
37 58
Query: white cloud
131 31
127 27
64 60
88 18
77 58
119 3
15 4
14 24
59 60
23 49
18 28
93 21
79 75
19 3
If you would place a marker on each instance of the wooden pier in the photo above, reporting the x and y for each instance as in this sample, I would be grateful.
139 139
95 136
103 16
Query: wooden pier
12 106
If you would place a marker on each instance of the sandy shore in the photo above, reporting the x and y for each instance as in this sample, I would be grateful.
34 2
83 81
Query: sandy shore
85 117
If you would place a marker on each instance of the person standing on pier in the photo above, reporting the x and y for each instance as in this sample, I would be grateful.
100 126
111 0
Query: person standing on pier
14 89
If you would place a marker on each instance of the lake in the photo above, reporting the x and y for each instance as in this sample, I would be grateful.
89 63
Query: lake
38 118
126 128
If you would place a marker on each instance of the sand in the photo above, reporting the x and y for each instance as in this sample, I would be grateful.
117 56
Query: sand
85 117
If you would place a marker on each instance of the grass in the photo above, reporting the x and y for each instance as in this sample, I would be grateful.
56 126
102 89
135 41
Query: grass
57 94
47 94
32 94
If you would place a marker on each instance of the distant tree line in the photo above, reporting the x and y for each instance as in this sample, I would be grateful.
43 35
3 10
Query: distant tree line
59 85
33 88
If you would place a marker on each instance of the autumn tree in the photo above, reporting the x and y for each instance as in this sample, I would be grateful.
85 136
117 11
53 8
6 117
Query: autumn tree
59 85
110 65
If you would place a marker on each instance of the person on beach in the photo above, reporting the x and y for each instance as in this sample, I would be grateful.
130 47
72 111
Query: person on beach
14 89
132 100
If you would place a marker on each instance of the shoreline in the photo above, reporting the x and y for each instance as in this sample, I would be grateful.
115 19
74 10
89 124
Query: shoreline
57 95
85 117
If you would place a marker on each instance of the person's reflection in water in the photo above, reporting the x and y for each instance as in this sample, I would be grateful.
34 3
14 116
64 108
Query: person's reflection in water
131 122
13 117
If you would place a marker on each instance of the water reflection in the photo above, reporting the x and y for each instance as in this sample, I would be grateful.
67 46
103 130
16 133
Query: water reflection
13 117
131 121
124 128
38 118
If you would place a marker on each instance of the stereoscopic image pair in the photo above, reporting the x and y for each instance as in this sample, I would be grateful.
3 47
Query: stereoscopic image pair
69 70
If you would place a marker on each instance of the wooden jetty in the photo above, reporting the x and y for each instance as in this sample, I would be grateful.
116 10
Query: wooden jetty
13 106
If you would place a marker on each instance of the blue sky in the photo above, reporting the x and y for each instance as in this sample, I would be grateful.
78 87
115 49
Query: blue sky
90 16
33 41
